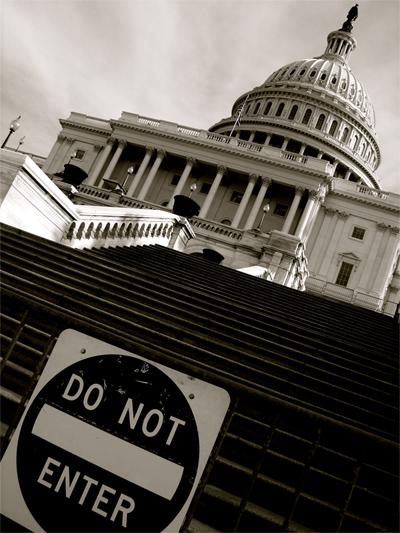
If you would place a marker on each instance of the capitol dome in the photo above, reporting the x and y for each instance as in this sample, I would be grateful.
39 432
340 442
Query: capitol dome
315 107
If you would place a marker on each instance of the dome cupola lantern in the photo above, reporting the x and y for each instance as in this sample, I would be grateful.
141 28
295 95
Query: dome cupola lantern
340 42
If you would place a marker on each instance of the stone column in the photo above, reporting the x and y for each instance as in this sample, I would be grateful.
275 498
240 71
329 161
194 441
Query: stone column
337 232
347 175
114 160
266 182
211 193
48 164
387 263
292 210
320 154
308 213
302 149
96 148
244 201
182 180
152 174
267 140
334 165
101 162
322 241
285 143
368 264
141 171
251 138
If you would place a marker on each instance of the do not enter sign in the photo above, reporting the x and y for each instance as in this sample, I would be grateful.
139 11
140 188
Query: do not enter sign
109 442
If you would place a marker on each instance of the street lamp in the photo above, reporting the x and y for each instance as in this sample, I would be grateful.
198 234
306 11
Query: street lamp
265 211
72 156
193 187
14 125
20 143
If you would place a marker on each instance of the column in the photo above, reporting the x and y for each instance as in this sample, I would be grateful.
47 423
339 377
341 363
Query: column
285 143
114 160
322 241
313 197
267 140
370 260
53 153
251 138
211 193
334 165
320 154
266 182
182 180
96 148
152 174
347 175
244 201
337 232
141 171
100 163
302 149
387 262
292 210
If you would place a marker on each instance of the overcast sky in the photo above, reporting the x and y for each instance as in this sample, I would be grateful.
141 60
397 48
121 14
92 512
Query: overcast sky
185 61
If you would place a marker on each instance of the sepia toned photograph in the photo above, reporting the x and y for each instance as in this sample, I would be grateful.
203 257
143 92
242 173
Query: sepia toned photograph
200 266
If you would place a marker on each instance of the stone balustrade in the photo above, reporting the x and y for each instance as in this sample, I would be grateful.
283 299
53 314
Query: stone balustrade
216 228
101 226
360 191
345 294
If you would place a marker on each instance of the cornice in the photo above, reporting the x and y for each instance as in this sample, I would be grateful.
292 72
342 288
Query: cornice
85 127
365 200
195 141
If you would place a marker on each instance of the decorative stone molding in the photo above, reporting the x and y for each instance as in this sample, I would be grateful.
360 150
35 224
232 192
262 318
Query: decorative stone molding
122 143
342 214
253 178
61 137
330 211
266 181
299 190
97 147
395 230
221 169
382 226
191 160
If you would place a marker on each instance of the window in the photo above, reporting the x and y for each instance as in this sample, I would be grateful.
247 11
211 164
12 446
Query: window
313 73
320 122
236 197
226 221
267 108
334 80
345 134
79 154
293 112
280 210
302 72
205 188
175 179
332 129
323 76
344 274
279 110
307 116
256 108
358 233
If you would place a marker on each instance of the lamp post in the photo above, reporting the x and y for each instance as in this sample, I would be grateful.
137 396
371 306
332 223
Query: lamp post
72 156
265 211
193 187
14 125
20 143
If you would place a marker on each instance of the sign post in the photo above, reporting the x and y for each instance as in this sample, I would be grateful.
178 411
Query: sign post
109 441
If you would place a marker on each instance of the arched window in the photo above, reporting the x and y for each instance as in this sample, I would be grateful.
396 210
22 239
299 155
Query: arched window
279 110
293 112
267 108
307 116
345 134
355 141
320 122
256 108
332 129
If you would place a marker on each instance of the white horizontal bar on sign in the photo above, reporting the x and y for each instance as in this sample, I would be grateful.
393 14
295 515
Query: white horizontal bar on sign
107 451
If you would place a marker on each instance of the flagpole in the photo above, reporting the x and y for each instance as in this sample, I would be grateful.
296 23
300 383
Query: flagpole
237 121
